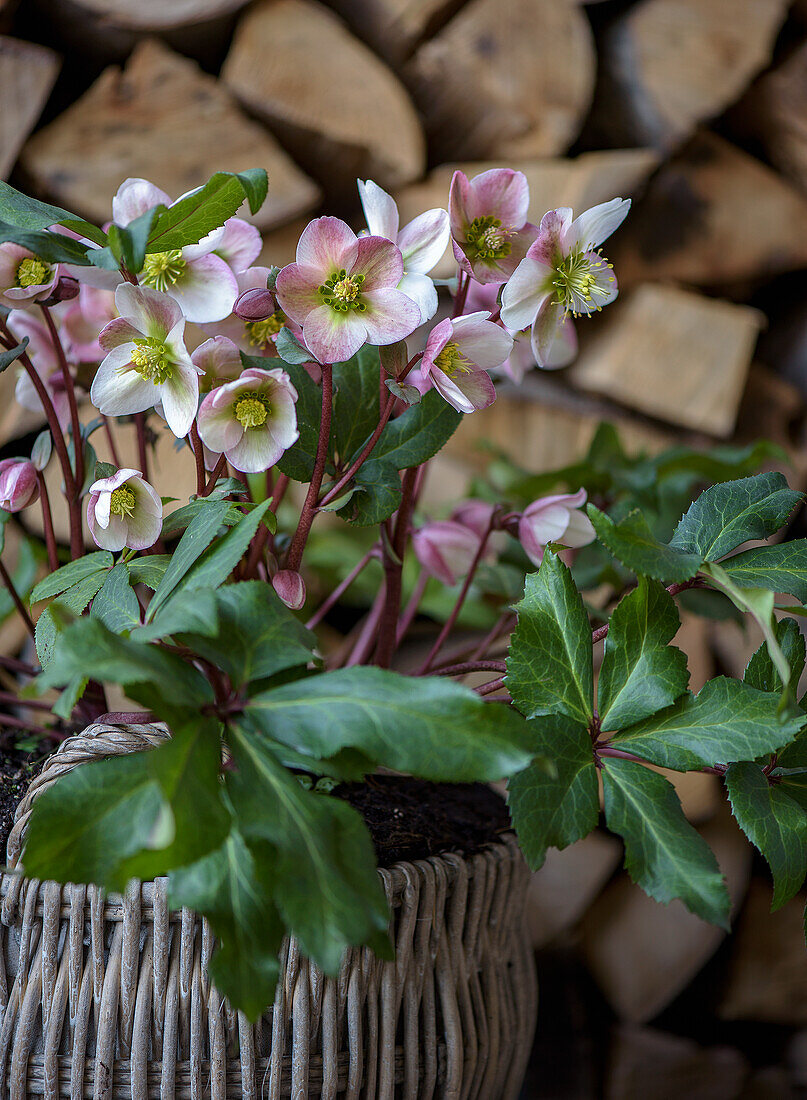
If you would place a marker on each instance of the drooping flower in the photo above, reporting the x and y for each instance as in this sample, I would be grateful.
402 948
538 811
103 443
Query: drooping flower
458 355
124 510
147 363
252 420
18 484
445 549
342 290
25 278
219 360
489 227
43 356
554 519
561 276
422 243
476 515
201 281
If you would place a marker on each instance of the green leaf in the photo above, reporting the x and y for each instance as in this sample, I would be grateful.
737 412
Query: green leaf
148 570
298 461
437 730
641 672
781 567
74 600
663 853
325 879
233 887
129 243
116 605
727 721
218 561
186 610
632 542
726 515
181 518
200 532
761 672
13 354
555 811
376 494
27 213
418 434
257 634
66 576
205 209
549 667
356 404
774 824
290 349
54 248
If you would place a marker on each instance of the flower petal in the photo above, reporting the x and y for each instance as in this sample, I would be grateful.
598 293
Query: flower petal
580 531
116 332
595 225
525 292
119 391
550 245
207 290
467 391
218 359
380 261
545 331
436 341
255 451
423 293
218 427
480 340
180 399
458 199
501 192
333 337
424 240
390 316
380 210
240 244
152 313
297 291
135 196
327 245
563 350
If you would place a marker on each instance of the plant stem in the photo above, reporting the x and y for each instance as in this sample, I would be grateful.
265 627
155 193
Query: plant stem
47 523
393 569
19 724
493 634
300 538
367 636
411 608
70 389
680 586
113 450
142 451
199 459
336 489
462 294
341 588
14 700
20 606
471 666
216 473
278 492
490 686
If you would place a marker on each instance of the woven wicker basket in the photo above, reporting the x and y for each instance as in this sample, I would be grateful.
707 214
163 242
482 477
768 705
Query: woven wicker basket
108 998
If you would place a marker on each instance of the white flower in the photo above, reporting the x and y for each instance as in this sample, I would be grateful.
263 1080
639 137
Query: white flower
554 519
124 510
252 420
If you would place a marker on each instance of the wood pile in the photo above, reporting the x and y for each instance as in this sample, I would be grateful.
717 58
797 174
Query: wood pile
697 109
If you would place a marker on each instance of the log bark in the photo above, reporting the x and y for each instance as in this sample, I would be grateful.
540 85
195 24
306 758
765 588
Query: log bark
332 102
511 82
694 222
666 65
27 75
162 118
395 27
674 355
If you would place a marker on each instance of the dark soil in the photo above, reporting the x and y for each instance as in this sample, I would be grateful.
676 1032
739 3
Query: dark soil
16 772
412 819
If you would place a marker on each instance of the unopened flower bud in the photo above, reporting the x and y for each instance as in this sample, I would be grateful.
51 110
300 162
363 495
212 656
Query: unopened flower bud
66 289
445 549
255 305
290 587
18 484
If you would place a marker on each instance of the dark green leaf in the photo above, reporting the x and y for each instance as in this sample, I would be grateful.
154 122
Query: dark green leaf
74 599
27 213
375 496
205 209
774 823
100 561
761 672
290 349
549 667
782 567
641 672
181 518
116 605
356 406
726 515
200 532
726 721
555 811
218 561
186 610
663 853
418 434
298 461
632 542
13 354
128 243
148 570
53 248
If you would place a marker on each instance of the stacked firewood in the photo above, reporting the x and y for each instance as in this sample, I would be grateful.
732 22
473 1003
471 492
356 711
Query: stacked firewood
697 109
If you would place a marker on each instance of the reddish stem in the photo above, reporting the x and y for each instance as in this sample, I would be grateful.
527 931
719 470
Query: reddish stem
341 588
465 667
279 491
22 610
47 523
199 459
216 473
411 608
336 489
71 395
393 568
462 294
142 451
300 538
113 450
680 586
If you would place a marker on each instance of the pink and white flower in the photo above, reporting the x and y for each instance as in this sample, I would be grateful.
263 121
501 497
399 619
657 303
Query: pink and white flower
83 320
489 227
19 486
554 519
562 276
445 549
219 360
42 354
458 355
124 510
343 291
25 278
252 420
422 243
147 363
239 245
201 281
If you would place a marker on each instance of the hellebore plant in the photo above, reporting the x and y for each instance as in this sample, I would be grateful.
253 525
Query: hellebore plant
308 403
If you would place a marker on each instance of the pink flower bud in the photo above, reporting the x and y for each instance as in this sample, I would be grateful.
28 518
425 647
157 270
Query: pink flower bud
445 549
18 484
255 305
66 289
290 587
475 514
554 519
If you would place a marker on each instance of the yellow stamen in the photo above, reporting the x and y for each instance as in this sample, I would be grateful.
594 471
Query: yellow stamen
259 333
33 272
122 502
451 361
487 239
252 409
150 360
342 292
162 270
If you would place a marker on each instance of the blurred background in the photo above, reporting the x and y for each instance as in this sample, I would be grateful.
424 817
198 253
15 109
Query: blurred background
695 108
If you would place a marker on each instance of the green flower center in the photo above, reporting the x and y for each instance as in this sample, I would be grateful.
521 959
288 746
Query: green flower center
151 361
575 281
259 333
162 270
252 409
487 239
342 292
33 272
122 502
451 361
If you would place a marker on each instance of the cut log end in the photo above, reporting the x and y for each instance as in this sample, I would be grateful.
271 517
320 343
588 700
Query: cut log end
27 75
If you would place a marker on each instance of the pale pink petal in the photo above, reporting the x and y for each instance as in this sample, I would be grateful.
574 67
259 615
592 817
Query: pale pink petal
380 210
180 399
112 537
547 522
423 293
390 316
480 340
252 278
424 240
545 330
327 245
463 261
549 245
98 278
595 225
580 531
501 192
380 261
458 198
445 549
525 292
118 391
437 340
255 451
136 196
563 350
208 244
218 359
298 292
116 332
240 244
152 313
467 391
40 349
146 522
11 256
333 337
218 427
206 290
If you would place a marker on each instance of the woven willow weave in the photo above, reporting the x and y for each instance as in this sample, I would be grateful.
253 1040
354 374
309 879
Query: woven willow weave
108 998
